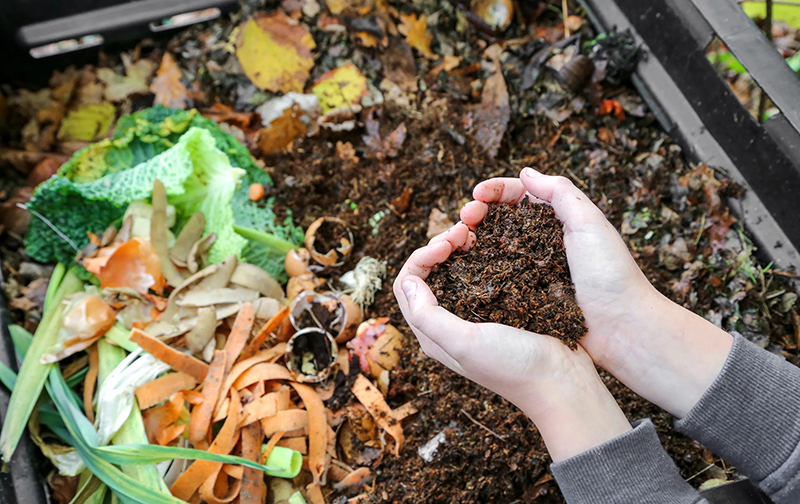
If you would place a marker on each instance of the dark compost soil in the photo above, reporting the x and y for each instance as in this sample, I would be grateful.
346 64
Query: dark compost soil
475 466
516 274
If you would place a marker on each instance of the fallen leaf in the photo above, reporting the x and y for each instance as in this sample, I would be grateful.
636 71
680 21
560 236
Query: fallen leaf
135 80
398 65
14 219
388 147
438 223
346 152
310 8
45 169
337 7
573 23
221 113
491 117
64 83
167 85
340 87
32 296
448 63
401 202
416 31
90 92
87 123
365 39
64 487
282 131
611 106
275 52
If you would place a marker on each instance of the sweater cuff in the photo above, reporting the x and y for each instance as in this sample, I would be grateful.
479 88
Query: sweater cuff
751 413
630 468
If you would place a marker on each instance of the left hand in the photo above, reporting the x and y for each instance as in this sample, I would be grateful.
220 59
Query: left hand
552 384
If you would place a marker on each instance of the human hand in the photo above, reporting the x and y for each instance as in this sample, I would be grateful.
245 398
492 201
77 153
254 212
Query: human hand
633 331
558 388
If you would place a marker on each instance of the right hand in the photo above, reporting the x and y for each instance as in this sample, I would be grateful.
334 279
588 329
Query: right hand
610 288
634 332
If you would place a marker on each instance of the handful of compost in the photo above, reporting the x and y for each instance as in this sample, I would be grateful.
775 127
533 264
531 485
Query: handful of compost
516 274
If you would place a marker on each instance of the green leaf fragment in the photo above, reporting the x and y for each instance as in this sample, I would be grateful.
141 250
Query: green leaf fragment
33 374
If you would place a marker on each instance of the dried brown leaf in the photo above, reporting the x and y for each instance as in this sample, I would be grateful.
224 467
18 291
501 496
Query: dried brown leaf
167 85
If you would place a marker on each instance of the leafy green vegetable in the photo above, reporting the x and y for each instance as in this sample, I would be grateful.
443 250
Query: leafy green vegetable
92 190
85 441
7 376
33 374
143 454
209 189
132 431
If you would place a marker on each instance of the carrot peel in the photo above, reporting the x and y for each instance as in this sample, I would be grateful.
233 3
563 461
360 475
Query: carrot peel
178 361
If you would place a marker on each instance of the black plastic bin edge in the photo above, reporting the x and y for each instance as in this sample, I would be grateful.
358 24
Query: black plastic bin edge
24 483
708 121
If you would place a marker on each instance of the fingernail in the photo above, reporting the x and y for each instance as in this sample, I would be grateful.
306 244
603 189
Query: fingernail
409 289
530 173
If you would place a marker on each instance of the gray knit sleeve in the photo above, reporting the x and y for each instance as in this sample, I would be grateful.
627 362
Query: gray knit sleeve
630 468
750 416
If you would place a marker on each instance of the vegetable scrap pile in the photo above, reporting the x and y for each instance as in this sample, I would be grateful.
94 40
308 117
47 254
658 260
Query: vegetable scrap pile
380 117
516 274
215 373
210 374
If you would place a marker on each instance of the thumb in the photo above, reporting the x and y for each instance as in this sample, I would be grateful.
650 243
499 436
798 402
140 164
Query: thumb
445 329
418 295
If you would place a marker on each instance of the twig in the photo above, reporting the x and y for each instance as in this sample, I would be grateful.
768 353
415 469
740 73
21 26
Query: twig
564 14
762 102
701 472
577 179
487 429
50 225
700 232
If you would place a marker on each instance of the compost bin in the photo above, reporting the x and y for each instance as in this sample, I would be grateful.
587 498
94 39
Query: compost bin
375 187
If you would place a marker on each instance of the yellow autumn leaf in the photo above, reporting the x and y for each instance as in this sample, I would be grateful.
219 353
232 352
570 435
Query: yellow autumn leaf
340 87
87 123
275 52
416 32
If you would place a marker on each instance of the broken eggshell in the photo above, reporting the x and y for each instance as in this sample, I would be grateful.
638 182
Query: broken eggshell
359 438
329 241
338 315
377 346
310 355
302 283
296 262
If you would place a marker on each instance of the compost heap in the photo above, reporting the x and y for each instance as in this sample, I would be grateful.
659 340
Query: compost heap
384 115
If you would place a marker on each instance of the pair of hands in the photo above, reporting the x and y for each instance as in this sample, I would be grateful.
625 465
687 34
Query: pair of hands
633 331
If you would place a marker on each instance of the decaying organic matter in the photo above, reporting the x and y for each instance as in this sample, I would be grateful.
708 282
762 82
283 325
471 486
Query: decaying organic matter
516 274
